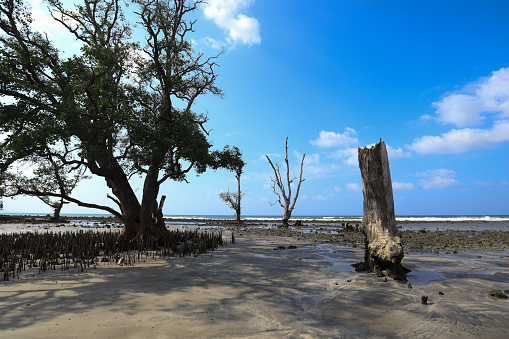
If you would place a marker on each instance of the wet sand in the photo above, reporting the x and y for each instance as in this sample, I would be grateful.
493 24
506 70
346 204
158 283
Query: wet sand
251 290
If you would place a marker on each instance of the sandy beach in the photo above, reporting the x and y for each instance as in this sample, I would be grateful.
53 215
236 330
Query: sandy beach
252 290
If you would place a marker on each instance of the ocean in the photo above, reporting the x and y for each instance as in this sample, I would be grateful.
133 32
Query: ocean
351 218
405 222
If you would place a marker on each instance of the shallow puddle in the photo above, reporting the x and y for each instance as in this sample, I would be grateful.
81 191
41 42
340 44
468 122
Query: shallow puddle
424 276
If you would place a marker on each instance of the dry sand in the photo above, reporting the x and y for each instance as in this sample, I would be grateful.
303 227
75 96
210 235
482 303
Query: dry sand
250 290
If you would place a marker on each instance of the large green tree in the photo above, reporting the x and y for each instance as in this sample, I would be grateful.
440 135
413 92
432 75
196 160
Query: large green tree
119 108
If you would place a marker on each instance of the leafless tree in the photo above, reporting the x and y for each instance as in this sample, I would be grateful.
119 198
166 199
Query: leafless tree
285 193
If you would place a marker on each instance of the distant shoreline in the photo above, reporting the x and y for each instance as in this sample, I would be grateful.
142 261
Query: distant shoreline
435 236
269 218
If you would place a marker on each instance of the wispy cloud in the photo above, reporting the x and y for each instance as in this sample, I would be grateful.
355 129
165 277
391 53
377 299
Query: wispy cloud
240 27
337 189
400 186
442 172
482 183
354 187
437 179
314 168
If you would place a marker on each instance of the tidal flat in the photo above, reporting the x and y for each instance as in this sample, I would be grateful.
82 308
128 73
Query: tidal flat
294 282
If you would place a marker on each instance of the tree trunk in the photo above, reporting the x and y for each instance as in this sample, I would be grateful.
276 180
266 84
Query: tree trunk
57 210
149 196
159 214
383 249
139 219
286 216
239 198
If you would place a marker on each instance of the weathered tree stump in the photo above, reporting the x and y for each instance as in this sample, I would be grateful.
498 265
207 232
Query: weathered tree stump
383 249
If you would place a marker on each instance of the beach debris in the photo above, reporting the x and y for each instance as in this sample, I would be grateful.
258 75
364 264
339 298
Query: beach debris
383 249
279 247
409 286
292 247
497 294
349 227
424 300
441 293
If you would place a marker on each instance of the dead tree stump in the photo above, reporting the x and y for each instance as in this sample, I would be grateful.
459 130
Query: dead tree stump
383 249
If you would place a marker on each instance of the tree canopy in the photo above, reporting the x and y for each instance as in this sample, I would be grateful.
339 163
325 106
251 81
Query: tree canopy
120 108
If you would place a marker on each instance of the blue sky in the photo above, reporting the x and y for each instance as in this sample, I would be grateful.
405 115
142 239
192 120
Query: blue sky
431 78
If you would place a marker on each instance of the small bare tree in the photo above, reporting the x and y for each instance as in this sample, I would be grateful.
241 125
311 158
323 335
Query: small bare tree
232 199
233 161
285 193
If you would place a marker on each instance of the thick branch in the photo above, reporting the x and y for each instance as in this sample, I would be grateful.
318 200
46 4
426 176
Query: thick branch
71 199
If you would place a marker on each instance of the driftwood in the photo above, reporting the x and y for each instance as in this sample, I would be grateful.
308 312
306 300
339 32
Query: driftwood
383 249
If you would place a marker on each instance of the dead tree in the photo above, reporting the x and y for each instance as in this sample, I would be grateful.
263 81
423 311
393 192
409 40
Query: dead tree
285 194
233 199
383 250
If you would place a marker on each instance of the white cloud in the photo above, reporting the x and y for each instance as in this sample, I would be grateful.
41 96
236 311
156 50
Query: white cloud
462 140
399 186
438 179
397 153
240 28
337 189
459 109
438 183
348 155
60 37
332 139
489 95
354 187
